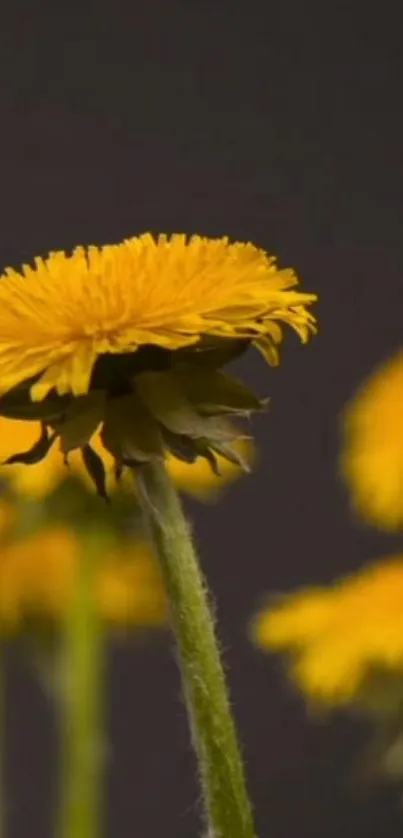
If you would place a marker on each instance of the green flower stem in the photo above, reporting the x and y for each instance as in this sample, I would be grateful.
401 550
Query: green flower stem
228 810
81 692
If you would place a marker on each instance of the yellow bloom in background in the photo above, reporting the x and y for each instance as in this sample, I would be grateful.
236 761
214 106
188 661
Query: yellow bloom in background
338 638
38 574
127 340
40 479
372 455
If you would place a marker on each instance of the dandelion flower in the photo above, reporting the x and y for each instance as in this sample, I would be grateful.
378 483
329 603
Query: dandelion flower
129 338
340 638
372 457
38 574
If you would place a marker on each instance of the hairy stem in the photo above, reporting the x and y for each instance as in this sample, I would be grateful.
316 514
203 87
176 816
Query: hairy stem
228 811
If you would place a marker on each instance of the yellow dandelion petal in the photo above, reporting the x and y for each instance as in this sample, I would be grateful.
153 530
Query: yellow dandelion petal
372 456
337 636
59 316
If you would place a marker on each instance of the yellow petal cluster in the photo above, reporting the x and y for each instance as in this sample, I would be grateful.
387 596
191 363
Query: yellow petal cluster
337 637
372 455
60 315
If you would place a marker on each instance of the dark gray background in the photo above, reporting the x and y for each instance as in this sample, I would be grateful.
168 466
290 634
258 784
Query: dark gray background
278 123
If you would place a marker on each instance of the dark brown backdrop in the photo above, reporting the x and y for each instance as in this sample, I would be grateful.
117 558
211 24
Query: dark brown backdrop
270 122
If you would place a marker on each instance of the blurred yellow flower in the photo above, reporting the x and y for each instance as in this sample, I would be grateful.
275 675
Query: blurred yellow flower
372 455
338 637
38 480
38 574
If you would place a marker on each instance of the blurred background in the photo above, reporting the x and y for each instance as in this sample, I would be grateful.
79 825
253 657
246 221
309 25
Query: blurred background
276 123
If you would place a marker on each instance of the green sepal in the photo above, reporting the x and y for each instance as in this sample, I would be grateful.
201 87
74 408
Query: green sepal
208 454
183 447
164 397
187 449
212 352
17 404
166 400
231 454
188 433
81 421
95 469
35 454
129 431
213 393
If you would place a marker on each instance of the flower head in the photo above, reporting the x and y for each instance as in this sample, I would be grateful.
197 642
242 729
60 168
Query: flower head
343 639
129 338
58 318
38 573
372 457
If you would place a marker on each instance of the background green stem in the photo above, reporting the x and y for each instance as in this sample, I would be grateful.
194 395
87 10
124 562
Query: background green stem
226 801
81 692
